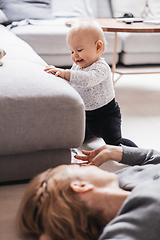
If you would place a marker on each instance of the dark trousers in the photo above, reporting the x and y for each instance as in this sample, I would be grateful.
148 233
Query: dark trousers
105 122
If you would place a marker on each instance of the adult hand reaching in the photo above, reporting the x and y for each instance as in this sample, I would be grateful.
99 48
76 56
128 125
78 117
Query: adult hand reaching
101 155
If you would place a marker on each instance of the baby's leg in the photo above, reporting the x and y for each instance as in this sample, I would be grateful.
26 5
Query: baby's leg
111 130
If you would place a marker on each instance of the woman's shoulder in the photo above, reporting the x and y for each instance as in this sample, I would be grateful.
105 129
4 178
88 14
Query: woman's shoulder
140 211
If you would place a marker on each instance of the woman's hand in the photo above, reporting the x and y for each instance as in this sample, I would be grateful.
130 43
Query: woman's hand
58 72
101 155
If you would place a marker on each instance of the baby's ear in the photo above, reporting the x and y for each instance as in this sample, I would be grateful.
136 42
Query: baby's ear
99 46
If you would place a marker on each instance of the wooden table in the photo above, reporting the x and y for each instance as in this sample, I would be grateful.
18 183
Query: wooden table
112 25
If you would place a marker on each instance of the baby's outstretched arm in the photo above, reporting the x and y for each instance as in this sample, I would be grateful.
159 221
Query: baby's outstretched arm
59 72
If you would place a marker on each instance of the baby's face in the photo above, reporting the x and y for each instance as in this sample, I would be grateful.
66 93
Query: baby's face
83 49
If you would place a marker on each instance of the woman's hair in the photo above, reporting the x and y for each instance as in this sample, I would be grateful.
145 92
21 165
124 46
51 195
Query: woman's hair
51 207
90 28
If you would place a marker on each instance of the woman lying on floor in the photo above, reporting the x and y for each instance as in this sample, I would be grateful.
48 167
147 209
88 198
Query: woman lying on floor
85 202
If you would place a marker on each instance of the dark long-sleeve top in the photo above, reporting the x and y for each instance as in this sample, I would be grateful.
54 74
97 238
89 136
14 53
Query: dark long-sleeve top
139 216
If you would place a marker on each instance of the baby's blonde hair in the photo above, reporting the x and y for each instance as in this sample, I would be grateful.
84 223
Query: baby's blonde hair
50 207
91 28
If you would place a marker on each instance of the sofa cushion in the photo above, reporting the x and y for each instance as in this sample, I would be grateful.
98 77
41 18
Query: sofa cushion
136 7
68 8
35 109
28 165
104 9
139 58
16 10
153 9
49 40
17 49
35 106
141 42
3 17
45 39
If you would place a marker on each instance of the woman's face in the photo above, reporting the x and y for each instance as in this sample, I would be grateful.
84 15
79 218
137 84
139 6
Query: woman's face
91 174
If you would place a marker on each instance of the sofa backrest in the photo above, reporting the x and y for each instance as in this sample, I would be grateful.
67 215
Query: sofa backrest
16 10
104 9
101 8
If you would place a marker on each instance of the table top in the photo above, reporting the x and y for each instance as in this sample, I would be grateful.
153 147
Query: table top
112 25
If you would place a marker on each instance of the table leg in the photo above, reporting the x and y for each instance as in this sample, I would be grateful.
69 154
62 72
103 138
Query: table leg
114 56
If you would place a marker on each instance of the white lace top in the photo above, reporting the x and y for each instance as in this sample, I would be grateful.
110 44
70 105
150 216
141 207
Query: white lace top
93 83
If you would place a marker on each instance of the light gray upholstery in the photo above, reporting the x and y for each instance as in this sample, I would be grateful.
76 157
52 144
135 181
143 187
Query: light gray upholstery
49 39
25 166
42 116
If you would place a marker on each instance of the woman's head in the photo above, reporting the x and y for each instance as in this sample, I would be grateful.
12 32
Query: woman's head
86 42
51 206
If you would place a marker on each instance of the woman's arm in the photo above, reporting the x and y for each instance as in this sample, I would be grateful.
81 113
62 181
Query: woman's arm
122 154
101 155
139 156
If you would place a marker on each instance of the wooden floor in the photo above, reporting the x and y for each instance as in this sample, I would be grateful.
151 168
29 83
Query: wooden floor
139 99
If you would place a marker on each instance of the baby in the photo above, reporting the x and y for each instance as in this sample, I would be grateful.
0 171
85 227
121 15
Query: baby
90 76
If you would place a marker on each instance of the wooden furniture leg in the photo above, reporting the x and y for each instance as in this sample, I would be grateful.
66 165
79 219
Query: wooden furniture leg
114 56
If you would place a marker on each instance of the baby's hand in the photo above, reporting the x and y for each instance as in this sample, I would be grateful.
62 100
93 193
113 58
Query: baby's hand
49 68
58 72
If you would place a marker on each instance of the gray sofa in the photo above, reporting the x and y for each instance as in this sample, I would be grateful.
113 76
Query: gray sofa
42 116
48 37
